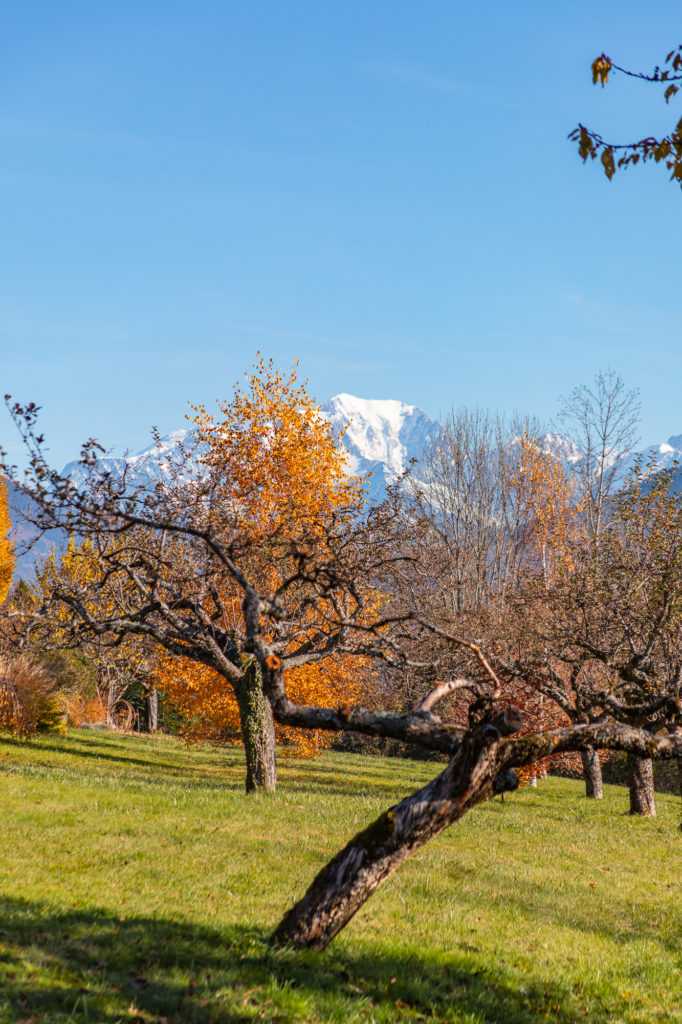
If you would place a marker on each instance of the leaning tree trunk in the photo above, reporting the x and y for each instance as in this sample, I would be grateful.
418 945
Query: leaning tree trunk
641 783
258 731
592 773
341 888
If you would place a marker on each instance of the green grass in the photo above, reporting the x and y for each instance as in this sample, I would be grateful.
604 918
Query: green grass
139 883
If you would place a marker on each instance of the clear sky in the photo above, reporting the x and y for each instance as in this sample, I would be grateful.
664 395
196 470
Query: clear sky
380 188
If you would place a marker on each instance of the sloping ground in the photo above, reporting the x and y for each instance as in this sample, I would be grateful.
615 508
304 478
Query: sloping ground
139 883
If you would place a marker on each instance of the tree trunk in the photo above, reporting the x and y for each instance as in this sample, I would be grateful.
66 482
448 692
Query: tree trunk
152 709
592 773
347 881
641 783
258 731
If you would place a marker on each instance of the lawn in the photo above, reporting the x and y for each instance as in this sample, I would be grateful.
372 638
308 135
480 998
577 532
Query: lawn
139 883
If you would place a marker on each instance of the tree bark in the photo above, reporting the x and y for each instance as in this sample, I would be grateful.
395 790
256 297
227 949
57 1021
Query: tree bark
347 881
258 731
641 783
592 773
152 709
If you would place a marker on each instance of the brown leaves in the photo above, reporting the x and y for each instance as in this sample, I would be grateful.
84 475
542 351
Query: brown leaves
667 149
608 162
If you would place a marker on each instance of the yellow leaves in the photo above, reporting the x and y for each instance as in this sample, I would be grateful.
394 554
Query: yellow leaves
600 70
7 559
545 500
280 464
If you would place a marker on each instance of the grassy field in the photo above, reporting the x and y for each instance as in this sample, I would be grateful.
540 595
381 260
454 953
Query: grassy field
140 884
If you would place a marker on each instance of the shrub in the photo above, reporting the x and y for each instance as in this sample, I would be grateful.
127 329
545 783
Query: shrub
28 698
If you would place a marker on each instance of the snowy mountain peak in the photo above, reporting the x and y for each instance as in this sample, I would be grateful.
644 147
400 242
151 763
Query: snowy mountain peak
561 447
381 436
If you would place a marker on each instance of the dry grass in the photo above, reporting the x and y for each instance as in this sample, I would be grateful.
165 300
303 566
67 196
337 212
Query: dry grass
80 709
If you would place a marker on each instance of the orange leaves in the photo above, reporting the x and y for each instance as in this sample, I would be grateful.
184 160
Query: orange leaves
6 546
280 465
546 502
209 707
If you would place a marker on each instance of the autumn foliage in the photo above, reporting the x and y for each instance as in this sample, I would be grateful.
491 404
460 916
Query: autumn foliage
282 473
210 712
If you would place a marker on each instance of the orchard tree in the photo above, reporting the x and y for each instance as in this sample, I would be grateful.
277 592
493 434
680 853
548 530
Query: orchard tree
666 150
494 506
605 638
263 491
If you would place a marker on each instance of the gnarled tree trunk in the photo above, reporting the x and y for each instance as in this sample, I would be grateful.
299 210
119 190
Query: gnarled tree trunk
592 773
258 731
641 783
347 881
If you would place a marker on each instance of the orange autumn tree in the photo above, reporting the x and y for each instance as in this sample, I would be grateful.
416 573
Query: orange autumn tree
282 474
210 710
6 546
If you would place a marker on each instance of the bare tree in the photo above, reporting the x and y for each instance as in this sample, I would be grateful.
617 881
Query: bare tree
603 419
605 639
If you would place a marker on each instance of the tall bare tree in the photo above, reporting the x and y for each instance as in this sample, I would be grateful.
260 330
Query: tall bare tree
603 419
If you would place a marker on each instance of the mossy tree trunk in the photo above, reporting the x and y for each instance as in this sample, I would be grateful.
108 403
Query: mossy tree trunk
258 731
641 783
354 874
152 709
592 773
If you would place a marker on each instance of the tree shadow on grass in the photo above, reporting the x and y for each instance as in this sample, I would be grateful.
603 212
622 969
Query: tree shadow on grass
293 776
88 965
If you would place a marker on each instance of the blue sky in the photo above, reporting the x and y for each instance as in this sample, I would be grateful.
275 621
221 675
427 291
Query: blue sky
383 190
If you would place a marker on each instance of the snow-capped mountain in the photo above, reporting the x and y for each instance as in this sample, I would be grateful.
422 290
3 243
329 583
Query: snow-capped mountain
145 467
381 437
665 455
562 447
